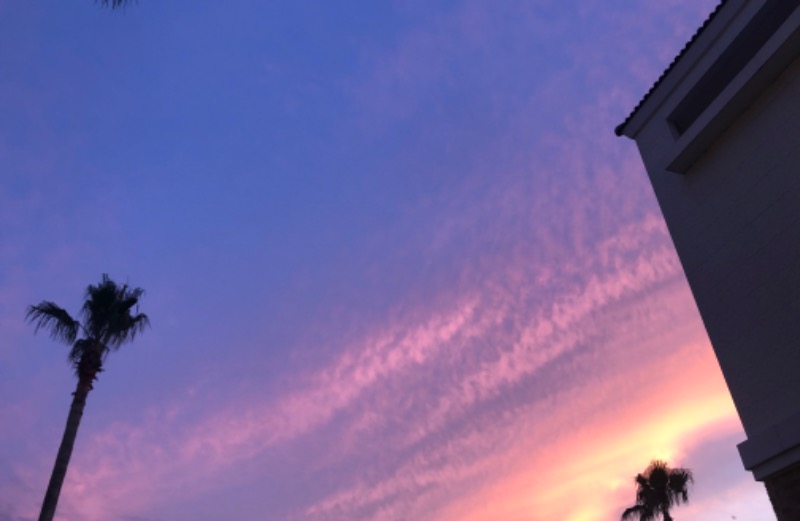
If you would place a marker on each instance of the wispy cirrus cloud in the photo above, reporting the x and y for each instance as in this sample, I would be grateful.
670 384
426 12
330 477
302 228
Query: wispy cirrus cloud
429 378
541 344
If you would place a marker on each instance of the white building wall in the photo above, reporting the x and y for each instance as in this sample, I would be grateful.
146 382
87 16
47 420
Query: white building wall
735 219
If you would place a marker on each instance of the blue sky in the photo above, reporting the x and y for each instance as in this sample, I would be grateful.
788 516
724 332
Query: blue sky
396 262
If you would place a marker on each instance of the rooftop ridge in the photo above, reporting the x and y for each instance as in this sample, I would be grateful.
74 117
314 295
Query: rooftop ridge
621 127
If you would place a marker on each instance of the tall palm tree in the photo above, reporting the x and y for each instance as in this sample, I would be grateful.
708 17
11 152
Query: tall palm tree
659 489
108 321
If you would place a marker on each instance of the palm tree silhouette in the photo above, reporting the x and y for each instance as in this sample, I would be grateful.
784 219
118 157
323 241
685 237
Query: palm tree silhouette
107 323
659 489
115 3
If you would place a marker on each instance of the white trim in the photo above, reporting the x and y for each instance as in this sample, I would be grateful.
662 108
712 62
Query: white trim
781 49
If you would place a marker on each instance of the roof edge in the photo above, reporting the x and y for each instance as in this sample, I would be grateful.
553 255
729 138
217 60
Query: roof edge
620 129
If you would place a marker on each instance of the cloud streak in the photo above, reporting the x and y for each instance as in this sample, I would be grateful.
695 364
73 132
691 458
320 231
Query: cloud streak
432 378
510 331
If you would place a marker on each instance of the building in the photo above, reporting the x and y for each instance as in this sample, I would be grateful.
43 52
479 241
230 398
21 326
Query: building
719 134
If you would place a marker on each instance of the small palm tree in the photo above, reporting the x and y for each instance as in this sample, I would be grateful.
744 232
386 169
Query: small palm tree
107 323
659 489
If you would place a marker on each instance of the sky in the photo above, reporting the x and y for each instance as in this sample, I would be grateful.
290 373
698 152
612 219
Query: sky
397 265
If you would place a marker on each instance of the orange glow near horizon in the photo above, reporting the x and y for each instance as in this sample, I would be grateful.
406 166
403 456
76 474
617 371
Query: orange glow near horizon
398 265
601 459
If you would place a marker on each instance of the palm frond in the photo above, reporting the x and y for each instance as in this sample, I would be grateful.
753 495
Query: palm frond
127 329
679 481
107 312
658 489
639 513
116 3
97 305
55 319
108 322
139 322
629 513
657 474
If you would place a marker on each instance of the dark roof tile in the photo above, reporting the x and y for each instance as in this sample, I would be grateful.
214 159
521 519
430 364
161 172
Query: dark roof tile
621 127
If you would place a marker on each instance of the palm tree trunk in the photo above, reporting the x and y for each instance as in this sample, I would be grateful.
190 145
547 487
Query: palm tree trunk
65 450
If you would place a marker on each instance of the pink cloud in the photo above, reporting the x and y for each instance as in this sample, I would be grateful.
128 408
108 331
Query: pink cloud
580 306
513 473
157 457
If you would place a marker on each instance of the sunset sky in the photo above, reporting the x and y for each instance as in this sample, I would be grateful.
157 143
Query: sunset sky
398 266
